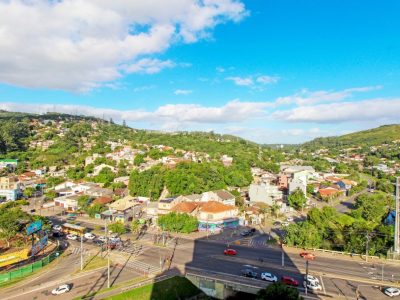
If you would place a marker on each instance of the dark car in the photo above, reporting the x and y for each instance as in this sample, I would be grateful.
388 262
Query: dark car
250 232
249 273
98 242
58 234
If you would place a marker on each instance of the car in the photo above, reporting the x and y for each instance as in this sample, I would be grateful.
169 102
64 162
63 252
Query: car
289 281
269 277
313 286
307 255
311 278
98 242
33 210
392 291
102 238
229 251
58 234
64 288
89 236
249 273
114 240
50 222
72 237
57 227
111 246
71 219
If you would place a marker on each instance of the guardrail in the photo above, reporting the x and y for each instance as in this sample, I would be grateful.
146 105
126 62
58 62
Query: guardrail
334 252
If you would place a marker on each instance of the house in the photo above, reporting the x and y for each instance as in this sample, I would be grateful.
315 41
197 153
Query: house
10 188
215 216
123 179
102 200
99 192
10 164
265 193
329 192
186 207
297 184
193 197
165 205
222 196
122 210
68 202
283 182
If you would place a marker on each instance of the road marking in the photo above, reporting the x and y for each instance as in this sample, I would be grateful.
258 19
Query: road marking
323 285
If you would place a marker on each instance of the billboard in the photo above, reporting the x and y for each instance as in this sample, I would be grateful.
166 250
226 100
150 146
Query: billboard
12 258
34 227
39 246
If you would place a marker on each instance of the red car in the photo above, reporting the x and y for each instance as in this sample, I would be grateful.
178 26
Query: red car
307 255
230 252
289 281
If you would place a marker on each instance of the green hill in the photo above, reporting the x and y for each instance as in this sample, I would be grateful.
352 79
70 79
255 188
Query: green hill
377 136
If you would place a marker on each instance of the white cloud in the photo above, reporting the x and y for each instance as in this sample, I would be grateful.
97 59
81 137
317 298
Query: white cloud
80 45
149 66
220 69
242 81
182 114
144 88
183 92
375 110
254 82
306 97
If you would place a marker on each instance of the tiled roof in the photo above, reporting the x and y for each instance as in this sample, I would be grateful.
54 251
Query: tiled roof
102 200
328 192
185 207
214 207
224 195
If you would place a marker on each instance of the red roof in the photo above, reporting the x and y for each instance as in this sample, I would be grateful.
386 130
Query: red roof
102 200
327 192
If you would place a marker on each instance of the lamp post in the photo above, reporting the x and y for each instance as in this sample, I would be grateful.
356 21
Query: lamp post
81 251
108 255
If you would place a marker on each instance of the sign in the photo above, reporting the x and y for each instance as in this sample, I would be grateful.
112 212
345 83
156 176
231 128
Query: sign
34 227
39 246
12 258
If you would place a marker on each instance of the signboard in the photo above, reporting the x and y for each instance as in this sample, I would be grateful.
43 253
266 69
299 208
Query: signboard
39 246
34 227
12 258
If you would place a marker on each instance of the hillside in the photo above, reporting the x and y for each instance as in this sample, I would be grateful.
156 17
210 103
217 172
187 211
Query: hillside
372 137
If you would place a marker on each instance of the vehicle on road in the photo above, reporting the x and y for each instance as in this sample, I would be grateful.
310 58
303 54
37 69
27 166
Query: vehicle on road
58 234
230 251
307 255
89 236
392 292
73 229
248 232
111 246
313 286
311 278
114 240
98 242
69 219
289 219
249 273
285 224
269 277
64 288
57 227
72 237
289 281
102 238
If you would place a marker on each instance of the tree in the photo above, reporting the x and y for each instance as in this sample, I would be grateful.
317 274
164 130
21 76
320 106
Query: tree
117 227
297 199
135 226
139 159
278 291
10 218
51 194
94 209
176 222
28 192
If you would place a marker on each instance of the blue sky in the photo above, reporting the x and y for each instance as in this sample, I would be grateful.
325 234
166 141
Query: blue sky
270 71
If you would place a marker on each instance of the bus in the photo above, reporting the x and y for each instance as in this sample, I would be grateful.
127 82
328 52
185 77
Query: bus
69 228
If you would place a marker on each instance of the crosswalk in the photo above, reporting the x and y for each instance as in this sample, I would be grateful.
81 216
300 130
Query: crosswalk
134 249
143 267
77 250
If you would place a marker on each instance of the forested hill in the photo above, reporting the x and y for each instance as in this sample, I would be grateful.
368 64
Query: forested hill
373 137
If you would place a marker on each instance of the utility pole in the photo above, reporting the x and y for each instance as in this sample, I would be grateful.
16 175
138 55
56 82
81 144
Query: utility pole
283 256
397 221
366 247
306 276
108 255
81 251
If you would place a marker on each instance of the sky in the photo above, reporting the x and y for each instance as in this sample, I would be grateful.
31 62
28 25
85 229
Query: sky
271 71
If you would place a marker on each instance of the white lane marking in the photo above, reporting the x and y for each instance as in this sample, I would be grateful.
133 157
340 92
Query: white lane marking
323 285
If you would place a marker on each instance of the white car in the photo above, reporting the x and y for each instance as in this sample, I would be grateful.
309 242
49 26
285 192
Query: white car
102 238
72 237
269 277
114 240
64 288
392 292
89 236
311 278
57 227
313 286
290 219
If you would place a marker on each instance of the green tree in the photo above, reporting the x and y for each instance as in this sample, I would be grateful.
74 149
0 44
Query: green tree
28 192
135 226
51 194
297 199
10 218
138 160
94 209
175 222
117 227
278 291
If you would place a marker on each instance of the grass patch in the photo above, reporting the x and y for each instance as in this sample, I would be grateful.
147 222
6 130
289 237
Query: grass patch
169 289
94 262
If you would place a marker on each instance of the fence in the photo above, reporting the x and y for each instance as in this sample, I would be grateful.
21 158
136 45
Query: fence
26 270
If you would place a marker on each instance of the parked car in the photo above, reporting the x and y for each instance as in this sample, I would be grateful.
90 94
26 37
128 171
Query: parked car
57 227
269 277
313 286
64 288
98 242
249 273
277 223
250 231
111 246
58 234
289 281
102 238
89 236
392 292
307 255
69 219
229 251
114 240
311 278
72 237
